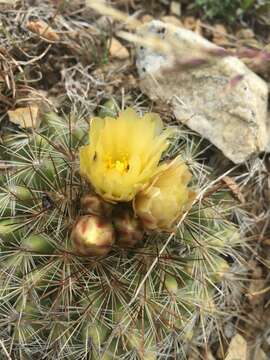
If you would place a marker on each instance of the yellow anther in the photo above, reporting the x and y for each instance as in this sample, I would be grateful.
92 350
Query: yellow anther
120 165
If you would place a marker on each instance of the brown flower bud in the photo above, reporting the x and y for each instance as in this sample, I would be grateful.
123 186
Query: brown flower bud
92 235
94 204
128 229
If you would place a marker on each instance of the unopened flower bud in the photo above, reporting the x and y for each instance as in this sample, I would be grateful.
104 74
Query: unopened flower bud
95 205
128 229
92 235
162 203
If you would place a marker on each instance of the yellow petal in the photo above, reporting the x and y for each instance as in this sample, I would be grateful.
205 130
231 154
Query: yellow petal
166 198
123 153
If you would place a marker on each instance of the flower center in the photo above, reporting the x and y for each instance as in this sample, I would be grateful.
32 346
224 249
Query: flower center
121 165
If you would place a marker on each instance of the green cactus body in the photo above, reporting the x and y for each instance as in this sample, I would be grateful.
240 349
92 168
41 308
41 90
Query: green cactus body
109 108
13 198
8 228
37 244
96 332
138 301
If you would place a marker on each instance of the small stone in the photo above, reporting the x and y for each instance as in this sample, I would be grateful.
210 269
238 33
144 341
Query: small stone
175 8
26 117
117 50
217 96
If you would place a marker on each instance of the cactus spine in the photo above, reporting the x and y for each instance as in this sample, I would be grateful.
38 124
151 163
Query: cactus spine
56 302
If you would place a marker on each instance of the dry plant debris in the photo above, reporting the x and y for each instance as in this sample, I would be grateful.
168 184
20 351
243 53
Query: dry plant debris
26 117
43 29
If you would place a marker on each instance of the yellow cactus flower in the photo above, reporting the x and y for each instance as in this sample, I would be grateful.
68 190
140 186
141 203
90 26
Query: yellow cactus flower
166 198
123 153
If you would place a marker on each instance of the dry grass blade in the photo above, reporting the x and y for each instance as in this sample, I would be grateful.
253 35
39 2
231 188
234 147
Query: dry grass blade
5 350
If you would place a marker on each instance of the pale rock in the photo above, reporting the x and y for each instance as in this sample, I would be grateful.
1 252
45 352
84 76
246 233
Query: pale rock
222 100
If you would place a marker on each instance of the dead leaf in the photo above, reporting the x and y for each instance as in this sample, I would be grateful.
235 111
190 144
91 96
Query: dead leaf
232 185
237 349
26 117
43 29
117 50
